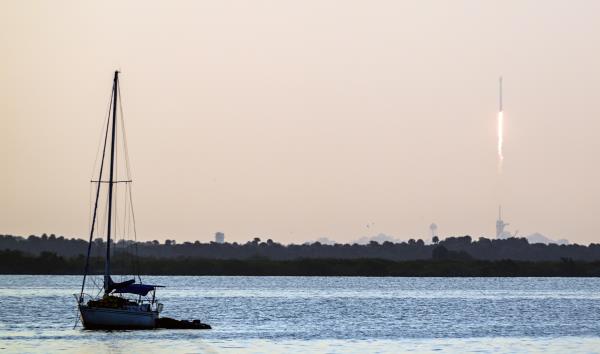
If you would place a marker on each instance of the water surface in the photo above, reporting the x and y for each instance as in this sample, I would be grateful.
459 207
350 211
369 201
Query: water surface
314 314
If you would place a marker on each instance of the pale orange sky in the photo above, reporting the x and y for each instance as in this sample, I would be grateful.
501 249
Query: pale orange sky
296 120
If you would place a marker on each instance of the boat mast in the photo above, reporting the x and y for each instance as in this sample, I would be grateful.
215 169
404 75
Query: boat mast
110 183
89 248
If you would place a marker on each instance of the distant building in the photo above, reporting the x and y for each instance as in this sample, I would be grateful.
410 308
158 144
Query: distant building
219 237
539 238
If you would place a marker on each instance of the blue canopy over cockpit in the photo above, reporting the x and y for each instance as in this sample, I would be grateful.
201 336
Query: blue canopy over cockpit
139 289
130 287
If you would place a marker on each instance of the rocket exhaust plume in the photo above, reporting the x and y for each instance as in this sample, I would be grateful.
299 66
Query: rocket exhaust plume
500 129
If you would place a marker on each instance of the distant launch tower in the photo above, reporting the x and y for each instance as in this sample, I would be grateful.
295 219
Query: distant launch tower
500 224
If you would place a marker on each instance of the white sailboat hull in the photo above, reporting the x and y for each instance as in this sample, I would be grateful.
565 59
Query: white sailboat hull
99 317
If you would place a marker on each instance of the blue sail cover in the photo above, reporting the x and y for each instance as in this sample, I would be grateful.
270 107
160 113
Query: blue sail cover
110 285
139 289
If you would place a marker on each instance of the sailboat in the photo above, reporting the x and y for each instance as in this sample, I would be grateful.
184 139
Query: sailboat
128 304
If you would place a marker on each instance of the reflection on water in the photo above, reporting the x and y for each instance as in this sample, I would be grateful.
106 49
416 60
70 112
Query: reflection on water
199 345
335 314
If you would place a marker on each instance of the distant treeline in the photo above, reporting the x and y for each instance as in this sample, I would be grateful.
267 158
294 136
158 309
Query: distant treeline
16 262
452 247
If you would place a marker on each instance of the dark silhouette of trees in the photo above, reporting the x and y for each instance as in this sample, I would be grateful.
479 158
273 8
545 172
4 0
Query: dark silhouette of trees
442 253
456 248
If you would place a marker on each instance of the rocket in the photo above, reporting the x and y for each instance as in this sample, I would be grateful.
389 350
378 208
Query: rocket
500 96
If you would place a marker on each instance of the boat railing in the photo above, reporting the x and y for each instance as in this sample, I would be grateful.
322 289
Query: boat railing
152 305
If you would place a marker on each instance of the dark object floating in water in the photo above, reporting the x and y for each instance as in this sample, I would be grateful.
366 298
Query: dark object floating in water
171 323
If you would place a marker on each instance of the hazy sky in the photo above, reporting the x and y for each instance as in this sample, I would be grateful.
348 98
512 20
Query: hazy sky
304 119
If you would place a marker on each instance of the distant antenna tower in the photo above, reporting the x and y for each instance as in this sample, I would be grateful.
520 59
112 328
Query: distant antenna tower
500 224
433 227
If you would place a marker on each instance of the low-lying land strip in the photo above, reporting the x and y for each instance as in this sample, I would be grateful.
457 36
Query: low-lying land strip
17 262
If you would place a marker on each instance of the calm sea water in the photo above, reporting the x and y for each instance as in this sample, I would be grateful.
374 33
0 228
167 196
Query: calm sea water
333 314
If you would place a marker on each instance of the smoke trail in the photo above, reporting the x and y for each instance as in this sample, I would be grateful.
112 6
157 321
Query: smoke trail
500 139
